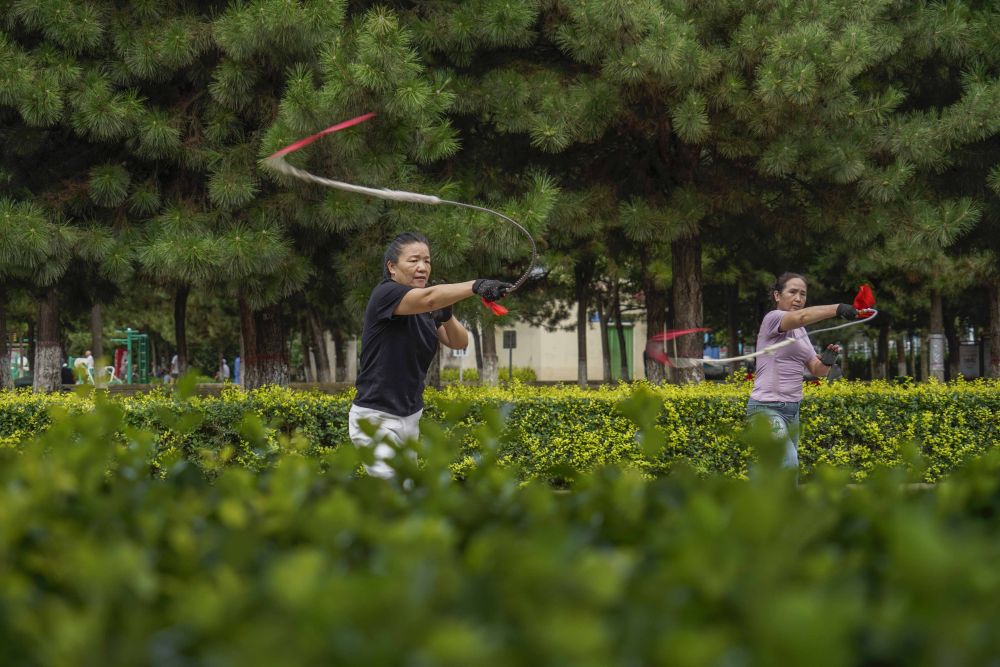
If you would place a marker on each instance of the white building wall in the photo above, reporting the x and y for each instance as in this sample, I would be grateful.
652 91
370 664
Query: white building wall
553 354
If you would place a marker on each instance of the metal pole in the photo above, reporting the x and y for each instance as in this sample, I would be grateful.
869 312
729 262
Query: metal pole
510 363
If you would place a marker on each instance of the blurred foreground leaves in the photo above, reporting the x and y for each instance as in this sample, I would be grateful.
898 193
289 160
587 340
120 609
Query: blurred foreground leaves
108 559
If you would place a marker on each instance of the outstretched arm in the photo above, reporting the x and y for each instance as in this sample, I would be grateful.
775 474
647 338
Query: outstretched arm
435 297
794 319
425 299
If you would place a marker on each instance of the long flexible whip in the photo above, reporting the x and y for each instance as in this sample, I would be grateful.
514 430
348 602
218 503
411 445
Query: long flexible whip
690 362
276 162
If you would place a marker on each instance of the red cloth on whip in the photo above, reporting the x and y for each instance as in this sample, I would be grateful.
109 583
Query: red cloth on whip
864 301
495 307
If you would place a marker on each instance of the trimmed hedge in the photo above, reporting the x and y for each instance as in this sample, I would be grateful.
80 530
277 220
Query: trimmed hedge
471 375
553 431
305 562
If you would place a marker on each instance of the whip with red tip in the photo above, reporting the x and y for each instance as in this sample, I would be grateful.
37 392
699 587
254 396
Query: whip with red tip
276 162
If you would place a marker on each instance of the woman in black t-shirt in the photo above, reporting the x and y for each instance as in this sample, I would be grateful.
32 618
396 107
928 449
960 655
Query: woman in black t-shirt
404 321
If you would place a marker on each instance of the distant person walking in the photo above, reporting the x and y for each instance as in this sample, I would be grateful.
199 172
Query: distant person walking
223 373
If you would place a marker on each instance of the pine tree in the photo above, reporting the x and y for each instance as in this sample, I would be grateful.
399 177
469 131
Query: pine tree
698 114
166 110
369 66
32 248
73 123
928 196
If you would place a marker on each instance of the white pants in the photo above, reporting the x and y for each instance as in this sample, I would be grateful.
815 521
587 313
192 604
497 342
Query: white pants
391 428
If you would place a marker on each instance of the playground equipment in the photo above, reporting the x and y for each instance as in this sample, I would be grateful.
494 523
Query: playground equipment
18 360
131 362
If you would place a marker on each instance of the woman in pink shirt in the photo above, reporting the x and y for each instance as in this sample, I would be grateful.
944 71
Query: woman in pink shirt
777 384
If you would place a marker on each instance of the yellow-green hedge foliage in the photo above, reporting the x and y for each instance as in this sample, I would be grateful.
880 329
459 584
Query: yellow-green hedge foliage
854 425
551 430
471 375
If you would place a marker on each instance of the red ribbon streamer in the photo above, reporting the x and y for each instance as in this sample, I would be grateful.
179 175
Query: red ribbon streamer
330 130
661 355
674 333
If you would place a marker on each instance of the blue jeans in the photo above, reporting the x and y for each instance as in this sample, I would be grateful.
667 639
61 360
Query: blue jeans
784 418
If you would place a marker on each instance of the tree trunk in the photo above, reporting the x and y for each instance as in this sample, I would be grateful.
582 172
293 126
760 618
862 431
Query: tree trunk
656 318
951 337
911 356
626 372
266 353
6 381
272 347
602 316
96 331
48 353
581 342
935 338
180 327
732 331
581 275
687 298
925 345
154 360
433 377
248 332
478 344
308 357
901 356
32 338
882 367
994 361
322 357
238 368
488 376
340 355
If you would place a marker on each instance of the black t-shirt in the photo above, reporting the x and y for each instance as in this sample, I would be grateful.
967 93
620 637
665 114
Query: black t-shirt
396 351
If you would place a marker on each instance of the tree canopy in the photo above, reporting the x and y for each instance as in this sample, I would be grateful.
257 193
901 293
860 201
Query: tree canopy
680 151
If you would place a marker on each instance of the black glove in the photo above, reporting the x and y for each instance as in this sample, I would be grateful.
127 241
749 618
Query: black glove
491 290
828 357
847 312
441 315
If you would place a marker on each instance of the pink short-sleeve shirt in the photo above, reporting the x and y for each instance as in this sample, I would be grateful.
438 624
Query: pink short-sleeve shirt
779 375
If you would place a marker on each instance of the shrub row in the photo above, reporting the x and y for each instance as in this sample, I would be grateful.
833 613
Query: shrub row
302 562
548 430
471 375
